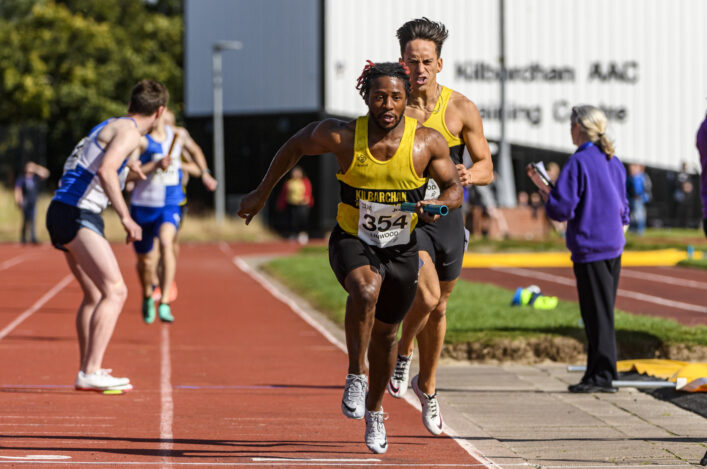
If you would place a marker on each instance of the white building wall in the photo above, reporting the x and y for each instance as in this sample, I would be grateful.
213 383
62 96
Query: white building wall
656 96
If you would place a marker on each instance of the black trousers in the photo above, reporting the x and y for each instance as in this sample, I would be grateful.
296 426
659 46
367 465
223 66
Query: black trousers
298 216
597 283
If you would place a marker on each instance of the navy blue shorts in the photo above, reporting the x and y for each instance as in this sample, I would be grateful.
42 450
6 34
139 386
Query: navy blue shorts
64 221
150 220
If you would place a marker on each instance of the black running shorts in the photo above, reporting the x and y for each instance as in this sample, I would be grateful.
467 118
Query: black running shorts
398 266
445 242
64 221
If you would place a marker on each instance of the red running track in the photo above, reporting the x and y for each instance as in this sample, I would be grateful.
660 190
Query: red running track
238 380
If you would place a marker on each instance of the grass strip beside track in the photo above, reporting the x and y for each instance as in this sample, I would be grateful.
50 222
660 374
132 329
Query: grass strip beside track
482 312
695 263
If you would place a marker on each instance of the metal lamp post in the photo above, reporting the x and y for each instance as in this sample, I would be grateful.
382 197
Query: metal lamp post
507 187
219 166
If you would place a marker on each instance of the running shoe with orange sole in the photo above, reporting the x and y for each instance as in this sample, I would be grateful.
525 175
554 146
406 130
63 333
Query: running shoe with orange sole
173 292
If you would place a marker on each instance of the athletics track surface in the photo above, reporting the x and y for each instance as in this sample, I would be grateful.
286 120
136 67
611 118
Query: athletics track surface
238 380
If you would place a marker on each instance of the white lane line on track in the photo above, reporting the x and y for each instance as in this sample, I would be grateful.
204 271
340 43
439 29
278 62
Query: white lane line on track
13 261
167 408
38 304
624 293
534 274
241 264
265 283
681 282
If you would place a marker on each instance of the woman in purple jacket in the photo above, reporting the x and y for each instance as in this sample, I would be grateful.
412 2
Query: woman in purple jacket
590 195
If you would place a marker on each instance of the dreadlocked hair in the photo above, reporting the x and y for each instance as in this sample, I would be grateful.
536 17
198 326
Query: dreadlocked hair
386 69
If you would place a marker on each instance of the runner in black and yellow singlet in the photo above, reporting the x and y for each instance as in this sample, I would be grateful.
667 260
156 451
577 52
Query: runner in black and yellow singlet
384 159
441 245
371 194
445 240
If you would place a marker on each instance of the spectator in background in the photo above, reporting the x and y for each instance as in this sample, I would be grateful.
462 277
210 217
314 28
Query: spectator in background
682 196
702 148
535 203
638 191
296 198
485 212
26 194
591 195
523 199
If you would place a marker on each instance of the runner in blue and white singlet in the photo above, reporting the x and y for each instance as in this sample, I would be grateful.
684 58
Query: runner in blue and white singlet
79 185
155 202
162 187
94 176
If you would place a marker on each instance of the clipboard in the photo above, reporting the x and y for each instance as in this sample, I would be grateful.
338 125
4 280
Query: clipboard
542 172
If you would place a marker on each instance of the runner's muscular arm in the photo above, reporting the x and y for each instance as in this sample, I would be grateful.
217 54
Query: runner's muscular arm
154 165
442 170
314 139
481 173
124 141
194 151
190 167
138 170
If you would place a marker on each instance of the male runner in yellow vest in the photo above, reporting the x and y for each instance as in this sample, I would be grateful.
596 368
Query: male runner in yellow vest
441 244
384 159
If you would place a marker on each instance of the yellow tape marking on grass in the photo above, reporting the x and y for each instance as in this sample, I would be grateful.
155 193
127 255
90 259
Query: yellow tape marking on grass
661 257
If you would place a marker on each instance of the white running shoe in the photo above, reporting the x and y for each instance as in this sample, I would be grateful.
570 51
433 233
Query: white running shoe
398 383
375 431
431 415
101 381
353 404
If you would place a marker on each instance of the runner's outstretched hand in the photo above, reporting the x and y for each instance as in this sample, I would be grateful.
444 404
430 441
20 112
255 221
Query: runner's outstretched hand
134 166
251 204
133 230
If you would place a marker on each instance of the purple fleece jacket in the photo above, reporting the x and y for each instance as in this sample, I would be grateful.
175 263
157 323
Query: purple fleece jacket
590 195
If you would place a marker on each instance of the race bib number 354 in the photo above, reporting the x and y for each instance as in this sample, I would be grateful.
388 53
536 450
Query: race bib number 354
383 225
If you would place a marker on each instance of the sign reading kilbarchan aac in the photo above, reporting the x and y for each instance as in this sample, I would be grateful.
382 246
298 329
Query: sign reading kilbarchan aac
559 110
641 61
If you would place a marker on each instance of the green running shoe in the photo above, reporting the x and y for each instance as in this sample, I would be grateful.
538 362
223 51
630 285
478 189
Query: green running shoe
165 313
148 310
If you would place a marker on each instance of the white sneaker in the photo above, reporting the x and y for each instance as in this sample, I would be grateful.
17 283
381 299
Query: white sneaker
398 383
375 431
101 380
431 415
353 404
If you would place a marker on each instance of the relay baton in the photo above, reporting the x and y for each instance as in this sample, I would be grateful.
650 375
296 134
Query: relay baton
433 209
